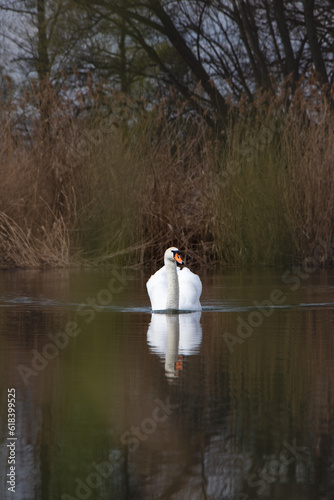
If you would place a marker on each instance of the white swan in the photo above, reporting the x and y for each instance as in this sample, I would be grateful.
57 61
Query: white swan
172 288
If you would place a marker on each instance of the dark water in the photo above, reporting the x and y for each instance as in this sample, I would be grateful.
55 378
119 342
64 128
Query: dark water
111 403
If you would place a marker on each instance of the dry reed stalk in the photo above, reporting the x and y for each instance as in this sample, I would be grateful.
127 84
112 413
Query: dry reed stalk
310 190
121 186
175 188
15 247
18 249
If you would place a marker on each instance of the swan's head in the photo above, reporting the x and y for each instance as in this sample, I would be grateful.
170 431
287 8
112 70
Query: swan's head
172 254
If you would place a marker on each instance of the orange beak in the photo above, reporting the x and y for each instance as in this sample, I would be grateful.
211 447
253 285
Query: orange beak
179 363
178 258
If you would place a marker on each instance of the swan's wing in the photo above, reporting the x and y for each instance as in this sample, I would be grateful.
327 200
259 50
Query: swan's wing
157 334
190 333
157 289
190 290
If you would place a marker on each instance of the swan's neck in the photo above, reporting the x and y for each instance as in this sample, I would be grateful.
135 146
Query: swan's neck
172 286
172 344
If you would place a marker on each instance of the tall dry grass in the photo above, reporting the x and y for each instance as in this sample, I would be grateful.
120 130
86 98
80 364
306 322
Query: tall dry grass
68 190
124 180
274 191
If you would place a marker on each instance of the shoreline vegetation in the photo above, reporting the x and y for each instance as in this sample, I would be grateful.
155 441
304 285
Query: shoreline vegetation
120 180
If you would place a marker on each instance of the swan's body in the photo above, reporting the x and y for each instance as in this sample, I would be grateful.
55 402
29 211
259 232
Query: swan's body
172 288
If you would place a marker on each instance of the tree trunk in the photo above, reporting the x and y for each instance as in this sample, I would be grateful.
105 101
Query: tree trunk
313 41
43 62
291 64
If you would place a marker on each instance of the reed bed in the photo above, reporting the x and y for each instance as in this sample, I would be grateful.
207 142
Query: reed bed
123 181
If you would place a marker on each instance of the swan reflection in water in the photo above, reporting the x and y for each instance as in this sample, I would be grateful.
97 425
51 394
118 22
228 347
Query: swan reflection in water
174 336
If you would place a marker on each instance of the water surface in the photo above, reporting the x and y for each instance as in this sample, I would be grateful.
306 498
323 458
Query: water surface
112 402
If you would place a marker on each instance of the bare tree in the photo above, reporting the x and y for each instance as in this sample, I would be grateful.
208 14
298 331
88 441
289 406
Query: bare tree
209 51
44 35
230 47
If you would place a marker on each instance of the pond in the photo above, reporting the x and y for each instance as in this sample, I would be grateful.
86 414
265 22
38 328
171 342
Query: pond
102 400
